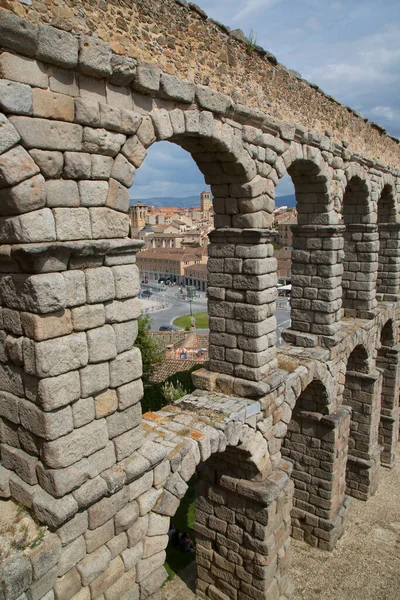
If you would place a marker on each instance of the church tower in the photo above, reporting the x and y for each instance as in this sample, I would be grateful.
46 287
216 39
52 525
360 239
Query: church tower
138 217
205 202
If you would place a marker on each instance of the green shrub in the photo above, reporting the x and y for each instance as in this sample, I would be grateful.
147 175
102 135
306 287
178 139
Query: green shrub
154 400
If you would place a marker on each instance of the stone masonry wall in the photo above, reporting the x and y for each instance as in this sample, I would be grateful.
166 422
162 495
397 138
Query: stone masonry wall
76 122
181 40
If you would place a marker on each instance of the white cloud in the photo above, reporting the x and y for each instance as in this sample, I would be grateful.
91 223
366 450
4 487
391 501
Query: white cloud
383 111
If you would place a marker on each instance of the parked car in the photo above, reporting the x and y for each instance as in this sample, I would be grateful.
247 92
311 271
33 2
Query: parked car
166 328
147 293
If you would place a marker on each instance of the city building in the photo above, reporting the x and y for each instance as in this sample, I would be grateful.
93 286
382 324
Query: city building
168 263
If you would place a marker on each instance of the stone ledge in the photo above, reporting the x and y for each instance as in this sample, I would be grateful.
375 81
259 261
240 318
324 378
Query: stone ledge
242 236
54 256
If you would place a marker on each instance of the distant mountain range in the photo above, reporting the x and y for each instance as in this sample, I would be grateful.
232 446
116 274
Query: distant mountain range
193 201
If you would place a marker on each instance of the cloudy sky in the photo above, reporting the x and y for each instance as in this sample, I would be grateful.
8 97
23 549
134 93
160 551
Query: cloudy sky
350 48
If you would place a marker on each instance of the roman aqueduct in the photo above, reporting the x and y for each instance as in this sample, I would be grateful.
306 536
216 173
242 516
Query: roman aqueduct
280 440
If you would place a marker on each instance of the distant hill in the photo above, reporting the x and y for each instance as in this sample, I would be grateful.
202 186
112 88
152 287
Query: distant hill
194 201
289 200
187 202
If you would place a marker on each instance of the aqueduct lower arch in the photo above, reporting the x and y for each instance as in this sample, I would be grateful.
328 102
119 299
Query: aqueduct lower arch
75 448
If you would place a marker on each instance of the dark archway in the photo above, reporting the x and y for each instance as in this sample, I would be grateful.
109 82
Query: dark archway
316 445
360 251
362 393
387 285
387 361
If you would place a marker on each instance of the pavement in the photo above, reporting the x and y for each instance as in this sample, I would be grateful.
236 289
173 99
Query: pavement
177 306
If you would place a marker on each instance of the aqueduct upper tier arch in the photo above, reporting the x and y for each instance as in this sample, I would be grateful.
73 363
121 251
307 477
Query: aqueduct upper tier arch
78 113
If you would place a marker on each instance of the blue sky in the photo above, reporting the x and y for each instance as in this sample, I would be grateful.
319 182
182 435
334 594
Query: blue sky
350 48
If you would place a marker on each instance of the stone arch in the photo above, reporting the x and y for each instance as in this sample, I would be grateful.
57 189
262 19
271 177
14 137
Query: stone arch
316 446
360 245
316 256
241 203
240 195
362 391
387 285
235 495
387 361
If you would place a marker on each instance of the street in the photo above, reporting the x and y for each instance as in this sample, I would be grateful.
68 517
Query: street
179 307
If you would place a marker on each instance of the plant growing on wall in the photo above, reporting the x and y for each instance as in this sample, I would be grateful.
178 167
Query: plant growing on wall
251 42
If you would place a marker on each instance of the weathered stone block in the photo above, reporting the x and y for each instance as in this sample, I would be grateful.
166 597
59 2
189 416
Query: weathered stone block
94 56
87 112
128 442
56 356
20 462
48 135
51 511
101 344
134 151
72 223
101 167
9 135
101 141
88 316
83 411
94 565
26 196
118 196
106 403
93 193
123 70
41 293
94 379
23 70
36 226
101 512
15 97
47 425
72 553
125 334
78 165
90 492
57 47
146 566
108 223
49 163
64 82
99 285
16 165
79 443
146 78
177 89
50 105
62 193
123 171
67 586
73 529
18 34
126 367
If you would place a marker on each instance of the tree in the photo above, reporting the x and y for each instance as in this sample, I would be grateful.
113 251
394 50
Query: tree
150 352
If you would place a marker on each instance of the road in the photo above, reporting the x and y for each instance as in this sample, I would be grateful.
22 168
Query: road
180 307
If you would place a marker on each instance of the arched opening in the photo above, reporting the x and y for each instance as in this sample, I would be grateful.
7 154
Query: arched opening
316 260
236 499
285 215
241 271
387 284
362 394
360 251
316 445
387 361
